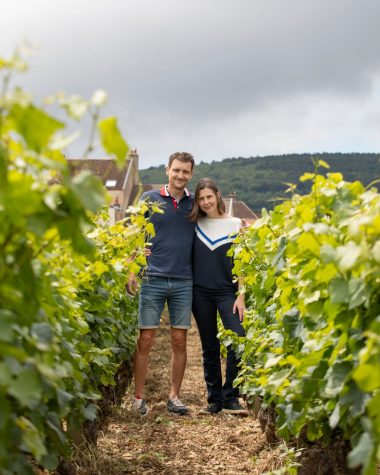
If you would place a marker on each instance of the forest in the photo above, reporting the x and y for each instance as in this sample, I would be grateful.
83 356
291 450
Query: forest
261 181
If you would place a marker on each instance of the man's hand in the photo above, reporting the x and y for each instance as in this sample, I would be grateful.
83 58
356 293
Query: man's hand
132 284
239 306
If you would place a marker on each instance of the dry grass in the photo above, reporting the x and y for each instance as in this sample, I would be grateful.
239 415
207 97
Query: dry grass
163 444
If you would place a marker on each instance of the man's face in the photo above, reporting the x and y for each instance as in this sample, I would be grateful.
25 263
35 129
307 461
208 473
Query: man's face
179 174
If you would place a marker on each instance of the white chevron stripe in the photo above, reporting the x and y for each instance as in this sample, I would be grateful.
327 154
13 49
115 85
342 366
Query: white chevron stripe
217 232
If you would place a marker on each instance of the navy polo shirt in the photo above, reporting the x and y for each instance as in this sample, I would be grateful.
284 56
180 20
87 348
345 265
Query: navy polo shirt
173 243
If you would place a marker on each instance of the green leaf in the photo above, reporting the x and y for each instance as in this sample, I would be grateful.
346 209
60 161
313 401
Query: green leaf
323 164
3 167
367 375
362 451
273 360
292 323
338 290
90 412
57 433
64 398
358 292
335 416
6 325
50 461
348 256
43 334
5 374
307 242
328 253
12 350
26 388
35 126
277 379
112 140
32 438
354 399
314 429
89 190
336 376
307 176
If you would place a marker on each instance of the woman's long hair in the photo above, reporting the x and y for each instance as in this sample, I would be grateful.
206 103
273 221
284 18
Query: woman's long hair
203 183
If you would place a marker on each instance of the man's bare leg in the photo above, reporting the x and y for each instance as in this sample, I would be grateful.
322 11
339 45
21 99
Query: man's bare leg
179 356
141 359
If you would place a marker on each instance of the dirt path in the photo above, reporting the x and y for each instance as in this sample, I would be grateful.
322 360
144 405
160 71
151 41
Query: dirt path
163 444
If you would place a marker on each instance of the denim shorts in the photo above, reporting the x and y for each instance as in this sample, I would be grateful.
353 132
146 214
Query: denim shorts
155 291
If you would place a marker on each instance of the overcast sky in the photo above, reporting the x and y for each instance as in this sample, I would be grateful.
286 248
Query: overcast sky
217 78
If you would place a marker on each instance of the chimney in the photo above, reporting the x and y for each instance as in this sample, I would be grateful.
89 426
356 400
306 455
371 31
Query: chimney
231 204
133 156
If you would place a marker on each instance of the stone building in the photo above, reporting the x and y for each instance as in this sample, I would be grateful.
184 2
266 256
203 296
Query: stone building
122 184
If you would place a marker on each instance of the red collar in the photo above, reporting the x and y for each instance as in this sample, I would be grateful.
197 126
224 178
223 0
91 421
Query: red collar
165 192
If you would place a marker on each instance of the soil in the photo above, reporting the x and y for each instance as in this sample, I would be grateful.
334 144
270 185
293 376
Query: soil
160 443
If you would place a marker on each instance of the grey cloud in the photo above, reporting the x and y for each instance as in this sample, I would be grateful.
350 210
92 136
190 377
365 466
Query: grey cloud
194 66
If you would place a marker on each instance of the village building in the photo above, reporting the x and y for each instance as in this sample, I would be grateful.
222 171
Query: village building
120 183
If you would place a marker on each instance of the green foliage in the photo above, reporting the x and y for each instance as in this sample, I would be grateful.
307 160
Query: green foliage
66 323
311 268
261 181
112 140
288 458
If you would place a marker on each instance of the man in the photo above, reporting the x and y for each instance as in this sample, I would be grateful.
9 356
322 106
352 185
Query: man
167 279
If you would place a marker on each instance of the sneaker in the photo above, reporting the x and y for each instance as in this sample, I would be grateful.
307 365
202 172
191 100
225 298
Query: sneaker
139 405
234 407
211 408
175 406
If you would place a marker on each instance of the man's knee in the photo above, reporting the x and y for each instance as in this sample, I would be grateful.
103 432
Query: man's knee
146 340
178 339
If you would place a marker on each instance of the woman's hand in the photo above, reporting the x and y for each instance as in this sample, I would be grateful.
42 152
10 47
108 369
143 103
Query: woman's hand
239 306
147 252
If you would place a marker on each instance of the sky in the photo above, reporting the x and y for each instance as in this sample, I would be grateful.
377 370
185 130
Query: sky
216 78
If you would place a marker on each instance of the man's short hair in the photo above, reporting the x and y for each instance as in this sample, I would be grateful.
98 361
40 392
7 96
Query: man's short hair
182 157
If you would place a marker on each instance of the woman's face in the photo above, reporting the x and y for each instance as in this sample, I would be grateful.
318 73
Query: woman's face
208 202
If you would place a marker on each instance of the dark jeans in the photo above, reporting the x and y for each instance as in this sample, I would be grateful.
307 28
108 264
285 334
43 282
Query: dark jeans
206 304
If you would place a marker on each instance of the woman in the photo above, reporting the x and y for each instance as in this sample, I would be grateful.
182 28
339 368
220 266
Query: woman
214 291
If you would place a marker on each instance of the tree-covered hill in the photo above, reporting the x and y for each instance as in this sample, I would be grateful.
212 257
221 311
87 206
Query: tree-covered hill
260 181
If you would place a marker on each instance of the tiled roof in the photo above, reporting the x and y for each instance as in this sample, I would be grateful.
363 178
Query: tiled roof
112 177
240 210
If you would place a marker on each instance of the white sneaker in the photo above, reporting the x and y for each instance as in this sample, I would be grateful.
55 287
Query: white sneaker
175 406
139 405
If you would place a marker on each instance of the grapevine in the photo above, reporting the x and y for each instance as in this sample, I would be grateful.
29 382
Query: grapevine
66 323
311 268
